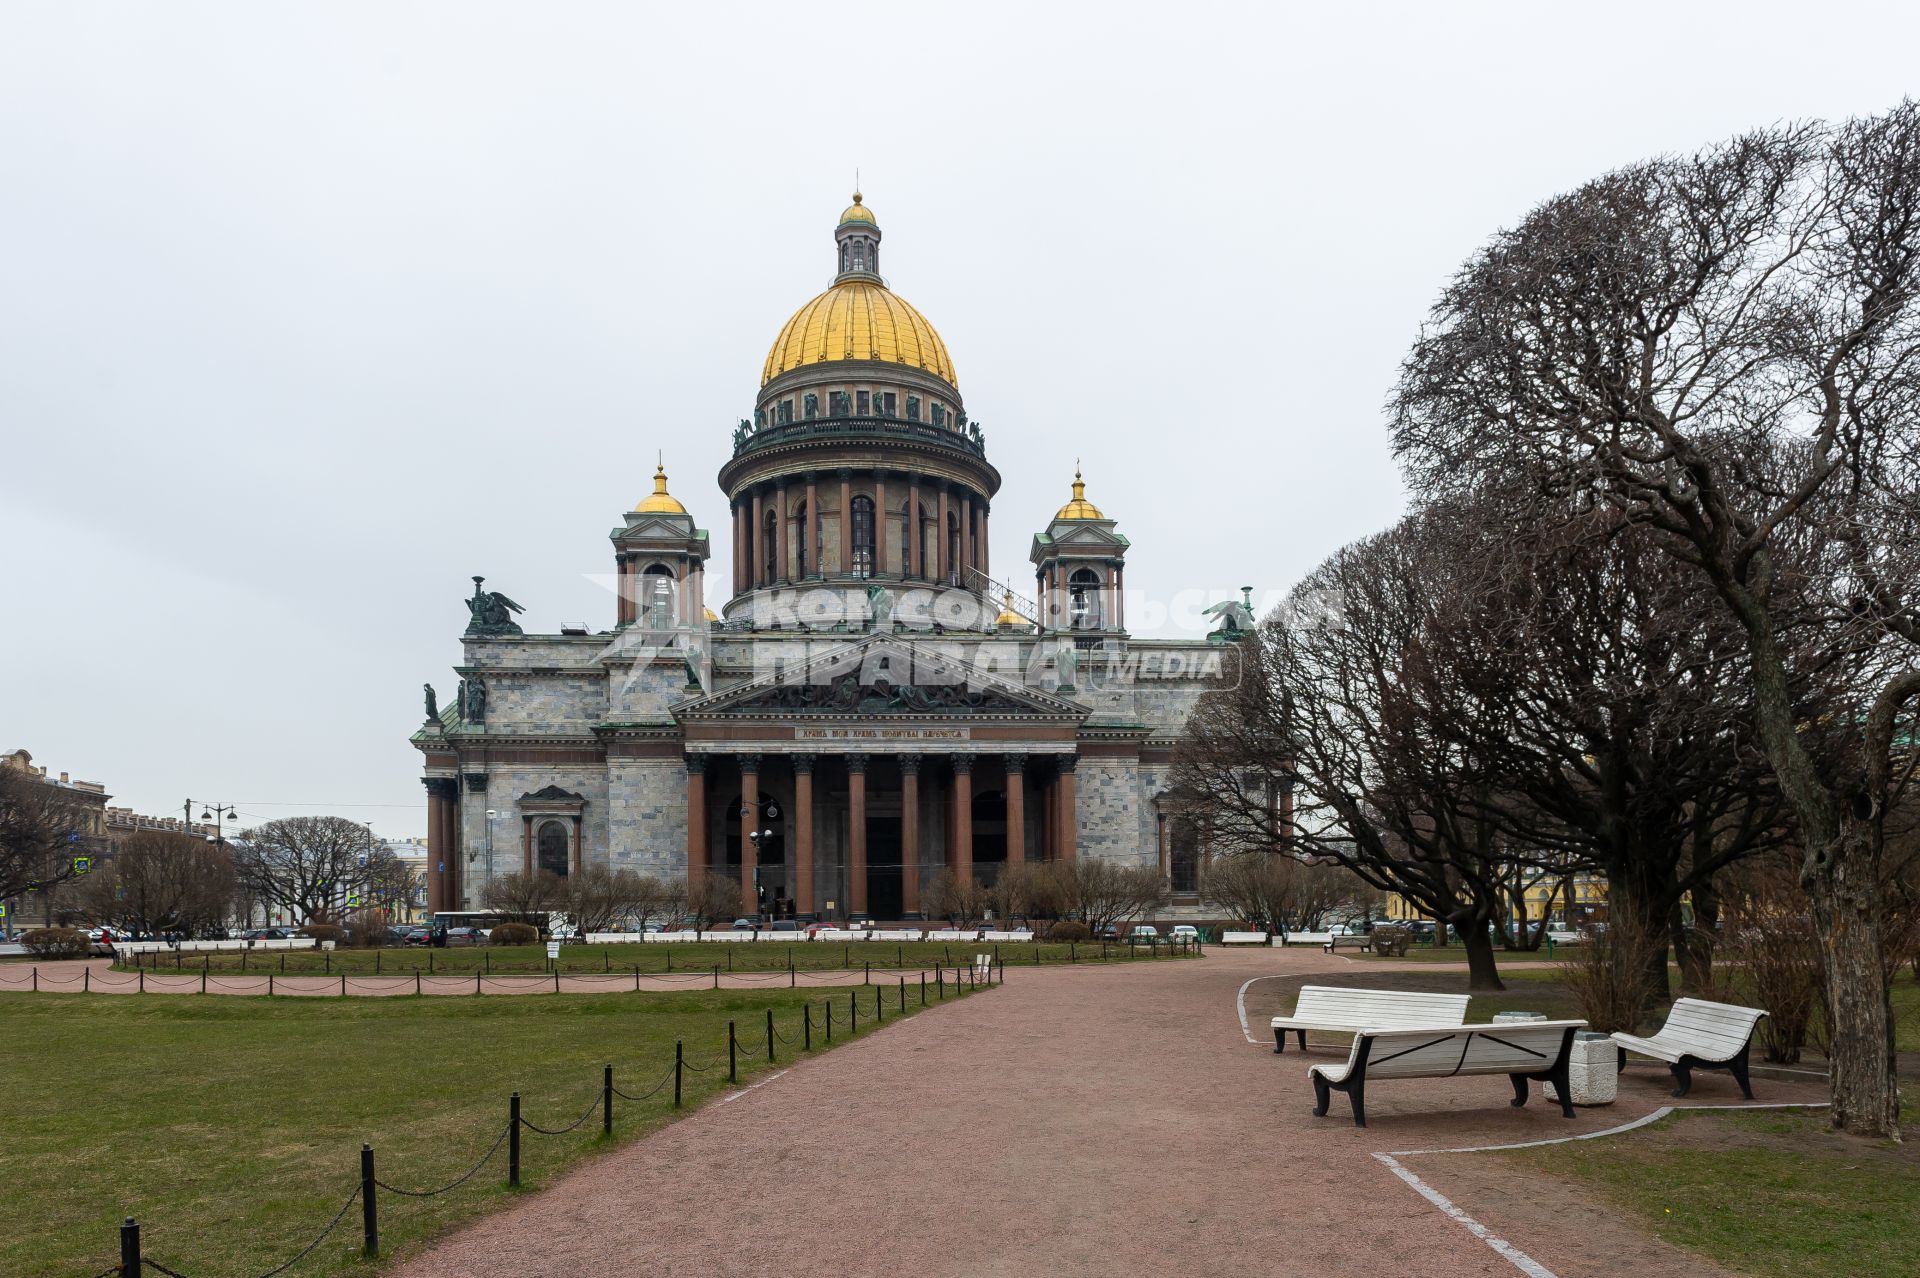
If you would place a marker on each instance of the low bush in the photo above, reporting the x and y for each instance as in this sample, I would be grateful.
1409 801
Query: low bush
1070 930
325 932
55 942
366 930
1612 979
513 934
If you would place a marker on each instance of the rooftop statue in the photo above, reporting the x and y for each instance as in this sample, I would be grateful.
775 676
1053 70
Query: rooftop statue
1236 617
492 612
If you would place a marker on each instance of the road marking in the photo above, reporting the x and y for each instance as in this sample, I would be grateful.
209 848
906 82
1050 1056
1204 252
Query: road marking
1240 1002
1518 1259
1513 1255
748 1088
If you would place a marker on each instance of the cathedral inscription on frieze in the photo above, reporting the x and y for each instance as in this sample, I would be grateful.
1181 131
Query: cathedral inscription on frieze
882 734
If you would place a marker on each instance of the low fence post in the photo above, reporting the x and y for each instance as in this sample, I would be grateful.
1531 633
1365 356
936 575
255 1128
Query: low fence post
513 1140
923 989
806 1027
733 1072
343 985
867 979
769 1035
86 982
879 1005
203 982
679 1063
716 976
940 983
369 1214
829 1018
903 993
416 980
853 1013
143 981
130 1248
143 985
606 1102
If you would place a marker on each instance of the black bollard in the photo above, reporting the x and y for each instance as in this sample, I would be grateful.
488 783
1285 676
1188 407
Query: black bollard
903 993
867 978
733 1071
829 1020
806 1027
879 1004
923 989
769 1034
606 1102
369 1214
513 1140
130 1248
679 1064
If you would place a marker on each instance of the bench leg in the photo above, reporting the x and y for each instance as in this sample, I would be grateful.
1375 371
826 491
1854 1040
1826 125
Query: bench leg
1279 1041
1561 1076
1519 1082
1358 1095
1683 1076
1738 1068
1622 1062
1303 1039
1322 1096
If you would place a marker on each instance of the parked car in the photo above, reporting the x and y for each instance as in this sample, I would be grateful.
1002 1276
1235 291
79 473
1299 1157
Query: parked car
783 925
464 936
818 926
100 941
1144 932
1184 932
746 925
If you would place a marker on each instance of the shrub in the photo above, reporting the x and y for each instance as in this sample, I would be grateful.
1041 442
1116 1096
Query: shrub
1070 930
55 942
1774 948
325 932
1612 979
513 934
366 930
1392 941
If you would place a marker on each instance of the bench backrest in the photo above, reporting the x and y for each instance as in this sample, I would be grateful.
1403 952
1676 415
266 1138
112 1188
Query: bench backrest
1528 1047
1378 1009
1712 1030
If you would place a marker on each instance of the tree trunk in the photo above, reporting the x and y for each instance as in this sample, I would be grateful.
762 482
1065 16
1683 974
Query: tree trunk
1841 880
1630 893
1482 974
1693 946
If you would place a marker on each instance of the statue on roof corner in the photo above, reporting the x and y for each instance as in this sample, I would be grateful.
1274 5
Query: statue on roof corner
1236 617
492 612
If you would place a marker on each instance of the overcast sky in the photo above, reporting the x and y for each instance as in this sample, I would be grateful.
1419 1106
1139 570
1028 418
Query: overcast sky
310 312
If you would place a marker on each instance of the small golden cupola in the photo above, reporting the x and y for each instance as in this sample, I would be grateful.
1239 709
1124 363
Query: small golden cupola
1079 507
660 502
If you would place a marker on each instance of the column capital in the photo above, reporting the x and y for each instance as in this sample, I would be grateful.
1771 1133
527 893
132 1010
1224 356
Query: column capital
441 787
696 764
1067 762
961 762
856 762
910 765
802 763
749 763
1016 763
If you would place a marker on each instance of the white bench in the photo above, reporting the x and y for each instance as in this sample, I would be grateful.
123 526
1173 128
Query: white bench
1699 1035
1328 1007
1530 1050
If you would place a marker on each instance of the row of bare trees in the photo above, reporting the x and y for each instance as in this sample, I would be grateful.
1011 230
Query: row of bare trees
598 898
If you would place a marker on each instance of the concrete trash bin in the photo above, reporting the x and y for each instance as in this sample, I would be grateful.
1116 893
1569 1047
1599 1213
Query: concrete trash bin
1593 1070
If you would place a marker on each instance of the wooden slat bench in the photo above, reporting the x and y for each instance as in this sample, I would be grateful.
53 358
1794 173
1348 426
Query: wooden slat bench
1358 941
1530 1050
1699 1035
1329 1007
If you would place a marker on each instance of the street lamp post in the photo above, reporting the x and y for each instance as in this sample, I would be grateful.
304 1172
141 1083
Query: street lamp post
759 837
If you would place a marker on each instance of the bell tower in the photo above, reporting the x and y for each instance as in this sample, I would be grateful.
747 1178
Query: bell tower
1080 564
660 563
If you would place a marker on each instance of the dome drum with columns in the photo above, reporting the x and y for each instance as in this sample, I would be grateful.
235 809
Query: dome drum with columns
873 749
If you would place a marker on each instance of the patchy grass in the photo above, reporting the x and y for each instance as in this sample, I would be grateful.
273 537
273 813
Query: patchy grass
1765 1193
231 1127
676 956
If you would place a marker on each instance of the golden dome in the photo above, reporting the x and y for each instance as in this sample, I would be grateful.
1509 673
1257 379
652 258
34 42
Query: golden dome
1079 507
858 319
857 212
1008 617
660 502
711 615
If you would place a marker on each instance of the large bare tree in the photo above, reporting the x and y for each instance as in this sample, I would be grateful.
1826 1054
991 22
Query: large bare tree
1725 346
319 869
162 881
36 820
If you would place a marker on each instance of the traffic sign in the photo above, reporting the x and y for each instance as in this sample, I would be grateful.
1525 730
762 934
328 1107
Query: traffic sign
82 864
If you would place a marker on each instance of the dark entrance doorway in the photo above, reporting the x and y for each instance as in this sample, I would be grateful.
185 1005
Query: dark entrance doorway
883 867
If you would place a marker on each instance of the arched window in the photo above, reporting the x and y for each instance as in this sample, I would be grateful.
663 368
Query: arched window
770 539
863 536
552 841
1083 590
656 595
800 542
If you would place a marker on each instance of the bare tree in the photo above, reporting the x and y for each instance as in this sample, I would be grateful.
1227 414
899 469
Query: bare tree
524 898
35 822
656 899
714 897
951 896
161 881
318 869
1104 894
1280 892
598 897
1726 347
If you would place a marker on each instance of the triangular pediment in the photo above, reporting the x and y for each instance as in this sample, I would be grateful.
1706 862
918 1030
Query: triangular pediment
889 677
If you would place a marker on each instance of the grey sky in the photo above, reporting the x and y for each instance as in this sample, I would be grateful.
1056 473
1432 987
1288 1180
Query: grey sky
310 312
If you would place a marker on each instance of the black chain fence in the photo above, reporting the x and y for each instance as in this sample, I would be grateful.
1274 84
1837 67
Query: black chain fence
134 1262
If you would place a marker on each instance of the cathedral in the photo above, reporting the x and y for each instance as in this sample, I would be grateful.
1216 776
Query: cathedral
871 705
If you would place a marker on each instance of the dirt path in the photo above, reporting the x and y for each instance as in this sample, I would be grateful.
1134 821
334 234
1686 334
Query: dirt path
1075 1122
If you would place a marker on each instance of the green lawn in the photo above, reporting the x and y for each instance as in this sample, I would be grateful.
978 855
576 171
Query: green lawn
231 1127
1450 954
690 956
1773 1193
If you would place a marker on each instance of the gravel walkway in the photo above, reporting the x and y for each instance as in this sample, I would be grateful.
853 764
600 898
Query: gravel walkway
1078 1121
